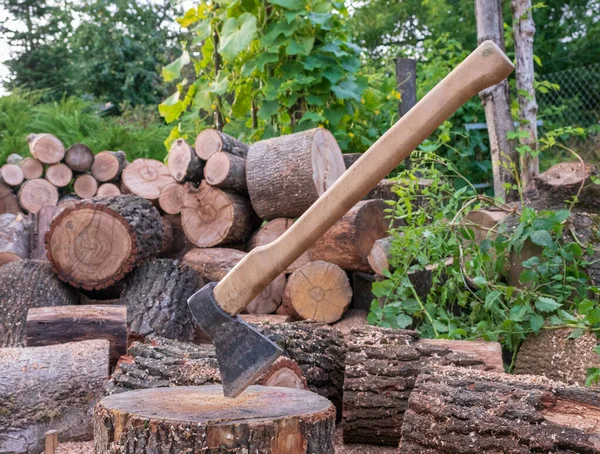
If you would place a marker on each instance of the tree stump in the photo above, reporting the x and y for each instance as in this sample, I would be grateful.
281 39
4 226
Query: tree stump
108 165
32 168
183 163
14 238
348 243
382 366
226 171
146 178
108 190
34 194
11 175
94 243
201 419
170 199
561 182
318 291
286 175
79 158
460 410
60 175
85 186
213 217
46 148
211 141
25 284
8 200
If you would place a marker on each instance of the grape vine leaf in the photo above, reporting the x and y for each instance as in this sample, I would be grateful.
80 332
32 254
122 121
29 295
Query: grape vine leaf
236 35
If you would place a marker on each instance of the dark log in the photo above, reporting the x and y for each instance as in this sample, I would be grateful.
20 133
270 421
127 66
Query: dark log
350 158
170 199
180 245
146 178
108 165
85 186
211 141
34 194
167 242
79 158
558 185
362 291
8 200
46 148
14 238
11 175
108 190
226 171
60 175
183 163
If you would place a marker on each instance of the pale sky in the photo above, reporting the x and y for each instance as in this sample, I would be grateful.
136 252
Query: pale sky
4 52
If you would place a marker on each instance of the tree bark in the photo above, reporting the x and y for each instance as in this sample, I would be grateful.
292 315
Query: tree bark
34 194
382 366
79 158
460 410
170 199
226 171
53 387
286 175
63 324
40 224
108 190
561 183
211 141
60 175
8 200
146 178
32 168
200 419
25 284
183 163
180 245
14 238
85 186
108 165
94 243
11 175
46 148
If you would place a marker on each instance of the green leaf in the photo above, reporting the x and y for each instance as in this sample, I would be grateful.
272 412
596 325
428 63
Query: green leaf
171 108
300 46
289 4
219 86
542 238
236 35
439 326
335 114
546 304
479 280
334 48
173 70
576 333
333 74
593 316
347 89
311 116
403 321
315 100
536 322
592 376
268 109
264 58
202 30
243 101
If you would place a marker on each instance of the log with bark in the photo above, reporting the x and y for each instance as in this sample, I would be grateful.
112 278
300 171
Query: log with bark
200 419
353 318
180 245
170 199
60 175
183 162
382 366
14 237
85 186
211 141
108 190
53 387
226 171
459 410
63 324
146 178
265 318
8 200
362 290
286 175
108 165
25 284
350 158
484 223
46 148
94 243
79 158
40 224
167 242
379 256
11 175
36 193
32 168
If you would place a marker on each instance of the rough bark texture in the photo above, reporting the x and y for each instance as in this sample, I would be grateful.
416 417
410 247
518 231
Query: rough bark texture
40 224
11 174
211 141
8 200
108 165
183 163
156 295
199 419
146 178
94 243
180 245
25 284
170 199
382 366
558 185
108 190
226 171
85 186
34 194
79 158
32 168
458 410
46 148
14 238
54 387
286 175
60 175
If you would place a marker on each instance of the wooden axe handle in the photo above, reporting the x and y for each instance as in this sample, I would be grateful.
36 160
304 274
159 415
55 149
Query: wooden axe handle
485 66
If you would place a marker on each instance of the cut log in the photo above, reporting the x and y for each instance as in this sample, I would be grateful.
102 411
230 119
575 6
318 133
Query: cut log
60 175
201 419
94 243
382 366
167 242
14 158
265 318
146 178
348 243
8 200
212 217
156 295
170 199
459 410
286 175
226 171
318 291
269 299
211 141
484 223
353 318
379 256
362 290
34 194
108 190
183 163
32 168
11 175
40 224
350 158
560 183
26 284
180 245
60 325
14 238
46 148
79 158
108 165
85 186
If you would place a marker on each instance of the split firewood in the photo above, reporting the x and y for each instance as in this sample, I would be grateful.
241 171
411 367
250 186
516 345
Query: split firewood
382 366
36 193
63 324
286 175
79 158
60 175
94 243
11 175
40 224
146 178
211 141
108 190
226 171
353 318
85 186
32 168
318 291
560 183
170 199
350 158
108 165
46 148
53 387
362 290
14 238
8 200
379 256
459 410
213 217
183 162
25 284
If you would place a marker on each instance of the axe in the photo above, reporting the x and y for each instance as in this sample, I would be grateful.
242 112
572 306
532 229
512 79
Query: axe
243 353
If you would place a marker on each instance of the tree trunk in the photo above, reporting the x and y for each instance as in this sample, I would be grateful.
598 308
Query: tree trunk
46 148
200 419
25 284
318 291
79 158
108 165
34 194
108 190
286 175
211 141
226 171
53 387
146 178
60 175
183 163
348 243
382 366
32 168
85 186
496 103
8 200
379 256
460 410
11 175
14 238
94 243
60 325
213 217
170 199
156 295
558 185
40 224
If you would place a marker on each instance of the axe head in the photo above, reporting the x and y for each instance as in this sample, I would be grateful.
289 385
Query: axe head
243 353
